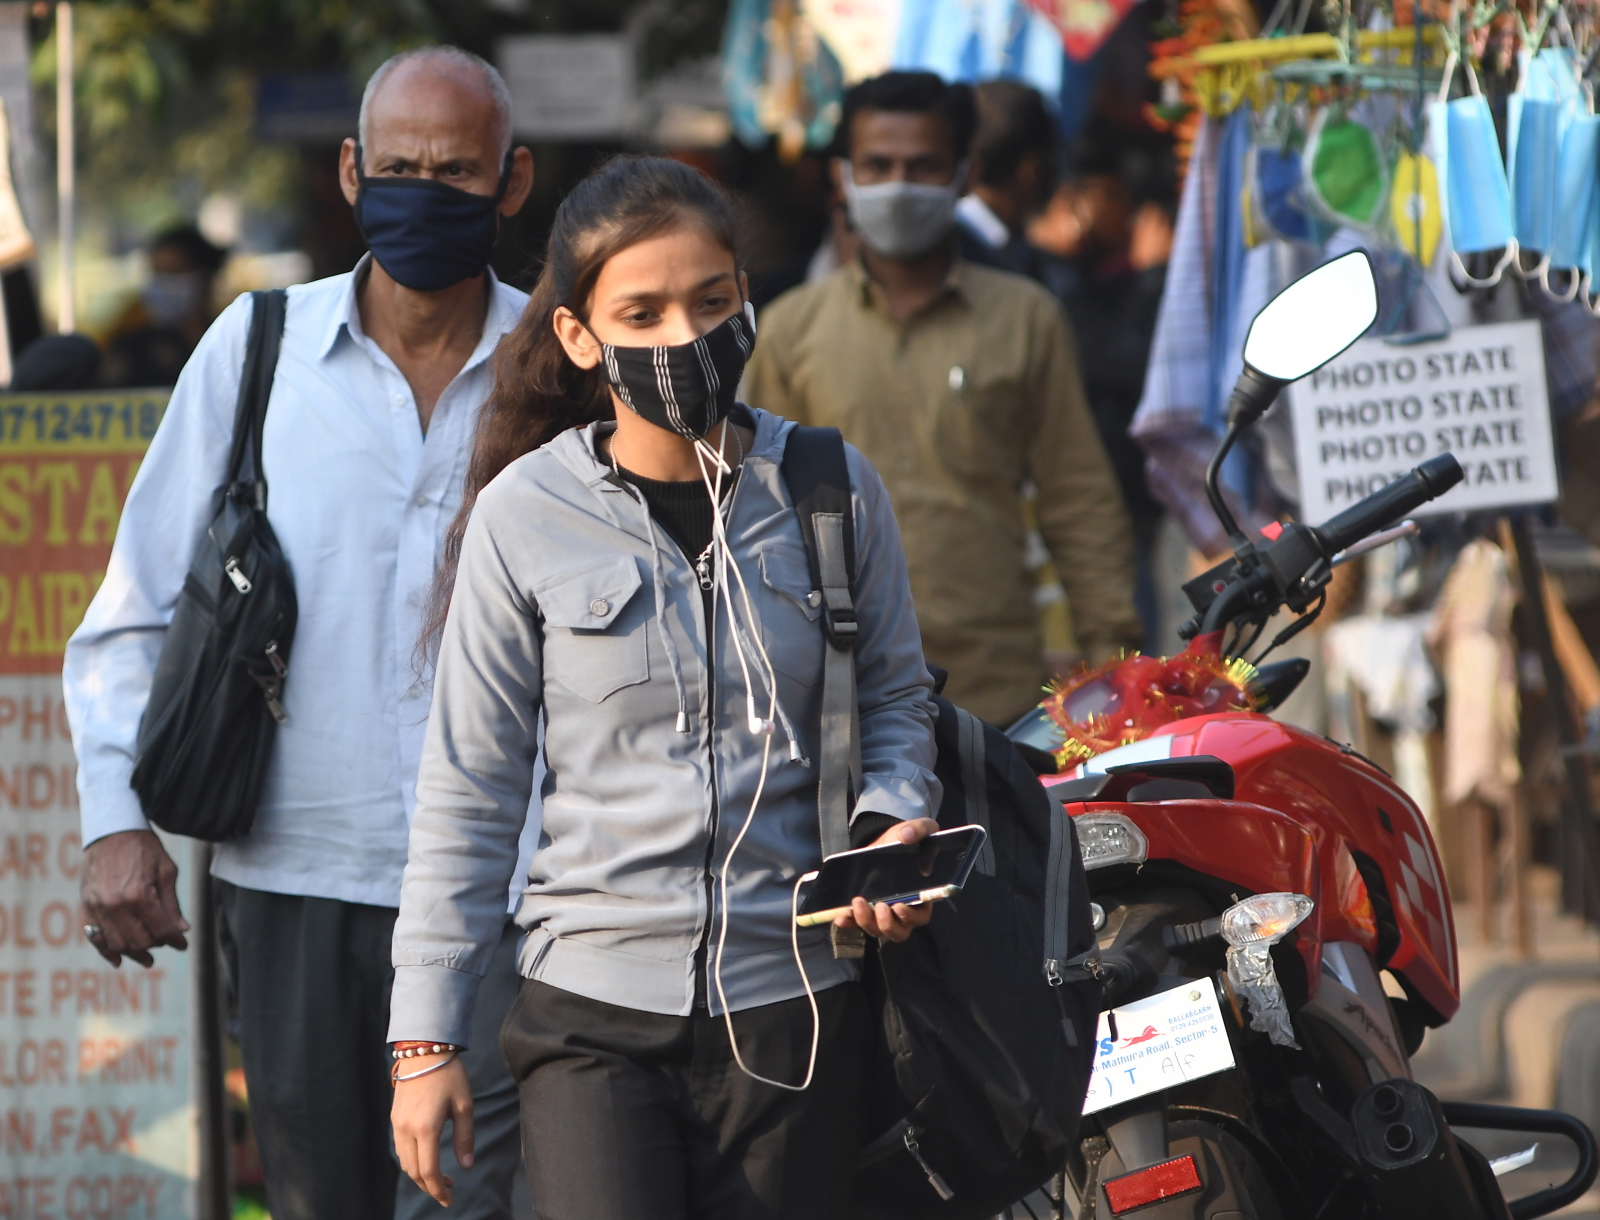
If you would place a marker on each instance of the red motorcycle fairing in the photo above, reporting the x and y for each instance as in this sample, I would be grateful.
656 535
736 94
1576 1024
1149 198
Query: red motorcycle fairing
1303 805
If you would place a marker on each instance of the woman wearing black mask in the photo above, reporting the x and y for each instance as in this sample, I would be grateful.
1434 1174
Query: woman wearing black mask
642 584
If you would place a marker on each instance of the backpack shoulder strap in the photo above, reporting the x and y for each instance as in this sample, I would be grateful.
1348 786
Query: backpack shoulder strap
818 478
255 388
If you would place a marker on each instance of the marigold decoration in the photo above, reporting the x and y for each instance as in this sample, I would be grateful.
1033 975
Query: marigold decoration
1197 23
1128 699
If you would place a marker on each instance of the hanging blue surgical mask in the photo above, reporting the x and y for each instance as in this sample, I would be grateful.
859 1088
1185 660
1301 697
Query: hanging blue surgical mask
1577 197
1551 76
428 236
1477 195
1533 129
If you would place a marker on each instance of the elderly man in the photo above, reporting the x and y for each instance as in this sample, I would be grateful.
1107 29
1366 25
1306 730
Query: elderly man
378 387
960 383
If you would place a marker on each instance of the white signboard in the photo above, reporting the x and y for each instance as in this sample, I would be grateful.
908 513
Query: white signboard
569 86
1161 1041
1369 416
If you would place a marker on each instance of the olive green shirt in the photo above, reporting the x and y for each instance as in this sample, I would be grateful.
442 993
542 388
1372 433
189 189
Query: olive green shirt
957 408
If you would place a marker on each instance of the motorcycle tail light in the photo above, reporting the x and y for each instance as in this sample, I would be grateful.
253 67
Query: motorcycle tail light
1146 1186
1264 919
1110 838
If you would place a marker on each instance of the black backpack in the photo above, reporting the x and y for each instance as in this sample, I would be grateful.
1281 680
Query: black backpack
988 1014
216 701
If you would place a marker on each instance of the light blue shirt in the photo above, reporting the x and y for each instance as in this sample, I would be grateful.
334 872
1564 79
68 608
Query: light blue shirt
360 500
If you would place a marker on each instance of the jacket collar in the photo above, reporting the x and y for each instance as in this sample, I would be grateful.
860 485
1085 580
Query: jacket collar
578 449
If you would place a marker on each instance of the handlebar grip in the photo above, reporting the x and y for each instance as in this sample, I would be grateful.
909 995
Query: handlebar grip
1388 504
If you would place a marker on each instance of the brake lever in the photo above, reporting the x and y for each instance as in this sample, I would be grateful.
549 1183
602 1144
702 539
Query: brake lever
1406 529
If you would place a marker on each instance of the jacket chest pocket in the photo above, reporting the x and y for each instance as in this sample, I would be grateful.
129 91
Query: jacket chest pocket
596 628
791 626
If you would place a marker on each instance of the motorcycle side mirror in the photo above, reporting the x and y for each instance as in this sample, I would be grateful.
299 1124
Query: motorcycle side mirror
1301 329
1296 333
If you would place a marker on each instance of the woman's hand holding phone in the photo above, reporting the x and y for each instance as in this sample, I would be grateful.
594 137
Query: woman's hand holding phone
883 921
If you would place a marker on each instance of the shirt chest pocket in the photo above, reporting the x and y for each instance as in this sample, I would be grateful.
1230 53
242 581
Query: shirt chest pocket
974 423
791 630
596 628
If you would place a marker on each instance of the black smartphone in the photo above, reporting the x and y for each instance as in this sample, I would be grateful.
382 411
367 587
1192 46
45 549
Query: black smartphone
910 873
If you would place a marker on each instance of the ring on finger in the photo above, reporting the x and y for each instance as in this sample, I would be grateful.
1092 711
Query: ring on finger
93 931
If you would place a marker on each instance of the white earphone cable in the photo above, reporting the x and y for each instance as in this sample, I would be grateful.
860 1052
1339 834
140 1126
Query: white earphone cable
762 726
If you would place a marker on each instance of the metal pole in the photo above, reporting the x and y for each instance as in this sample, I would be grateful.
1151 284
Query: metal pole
215 1202
1579 831
66 178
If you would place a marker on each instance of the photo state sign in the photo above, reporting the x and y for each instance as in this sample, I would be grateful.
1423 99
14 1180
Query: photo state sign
1368 416
95 1112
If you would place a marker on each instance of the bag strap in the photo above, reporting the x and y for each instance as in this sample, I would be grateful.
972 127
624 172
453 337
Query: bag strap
818 478
975 780
268 309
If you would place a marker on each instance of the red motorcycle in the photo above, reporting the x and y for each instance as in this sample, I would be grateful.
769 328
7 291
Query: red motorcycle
1275 933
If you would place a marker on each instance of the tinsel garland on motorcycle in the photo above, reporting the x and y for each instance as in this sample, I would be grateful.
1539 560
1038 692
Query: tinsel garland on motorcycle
1130 697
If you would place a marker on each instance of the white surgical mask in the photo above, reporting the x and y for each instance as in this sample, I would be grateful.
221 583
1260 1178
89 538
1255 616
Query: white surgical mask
172 297
902 219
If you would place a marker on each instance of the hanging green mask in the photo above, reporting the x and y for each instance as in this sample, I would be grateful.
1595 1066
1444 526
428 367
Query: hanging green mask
1347 182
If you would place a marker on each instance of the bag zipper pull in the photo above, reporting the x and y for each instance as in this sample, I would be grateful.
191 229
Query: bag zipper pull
271 687
934 1180
1052 974
702 568
241 582
272 684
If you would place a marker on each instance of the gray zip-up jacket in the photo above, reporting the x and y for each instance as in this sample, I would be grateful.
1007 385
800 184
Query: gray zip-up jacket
570 602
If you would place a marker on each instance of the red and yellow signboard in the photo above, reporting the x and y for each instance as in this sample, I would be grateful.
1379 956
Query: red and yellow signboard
65 468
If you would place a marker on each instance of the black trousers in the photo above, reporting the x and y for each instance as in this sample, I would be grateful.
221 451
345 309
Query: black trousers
310 979
631 1115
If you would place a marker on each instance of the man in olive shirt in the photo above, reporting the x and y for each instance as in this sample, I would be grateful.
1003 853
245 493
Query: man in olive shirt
959 383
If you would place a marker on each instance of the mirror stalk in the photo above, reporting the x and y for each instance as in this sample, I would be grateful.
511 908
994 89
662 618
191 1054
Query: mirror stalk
1252 395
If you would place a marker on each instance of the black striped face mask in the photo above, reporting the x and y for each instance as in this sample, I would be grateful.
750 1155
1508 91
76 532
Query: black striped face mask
687 388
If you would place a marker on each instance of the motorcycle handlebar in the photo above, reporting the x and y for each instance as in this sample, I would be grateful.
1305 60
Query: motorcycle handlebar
1388 504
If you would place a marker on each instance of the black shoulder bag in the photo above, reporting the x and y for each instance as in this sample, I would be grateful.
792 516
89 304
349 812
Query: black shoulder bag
985 1018
216 701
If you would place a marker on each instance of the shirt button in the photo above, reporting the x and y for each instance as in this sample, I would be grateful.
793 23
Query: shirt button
599 607
814 598
422 500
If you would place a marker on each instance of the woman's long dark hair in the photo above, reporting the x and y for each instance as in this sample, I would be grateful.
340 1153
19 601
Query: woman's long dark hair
539 393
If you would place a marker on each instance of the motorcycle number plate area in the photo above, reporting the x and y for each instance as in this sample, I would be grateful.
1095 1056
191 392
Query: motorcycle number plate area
1162 1041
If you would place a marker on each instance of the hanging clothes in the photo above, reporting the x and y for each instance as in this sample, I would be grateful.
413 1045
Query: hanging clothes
1471 631
975 40
779 78
1385 658
1214 288
860 33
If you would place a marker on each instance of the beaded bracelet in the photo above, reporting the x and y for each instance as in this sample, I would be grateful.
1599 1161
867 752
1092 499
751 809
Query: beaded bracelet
395 1078
410 1050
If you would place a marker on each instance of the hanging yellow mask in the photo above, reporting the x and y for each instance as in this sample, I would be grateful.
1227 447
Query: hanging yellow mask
1414 205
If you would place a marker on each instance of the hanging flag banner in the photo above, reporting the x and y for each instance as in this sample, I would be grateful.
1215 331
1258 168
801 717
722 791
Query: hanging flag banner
95 1111
1084 24
1367 417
